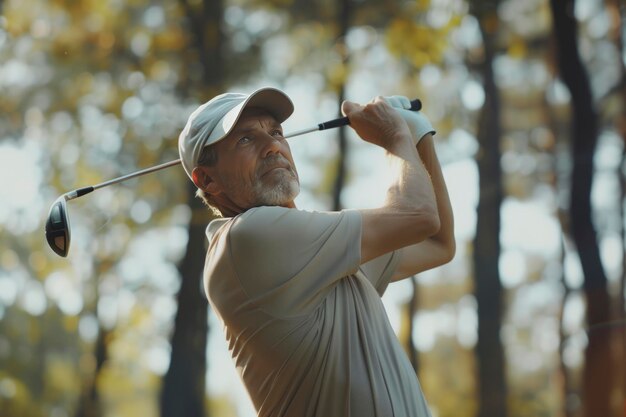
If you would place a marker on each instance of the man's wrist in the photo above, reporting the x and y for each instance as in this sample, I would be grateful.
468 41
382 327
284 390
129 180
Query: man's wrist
420 127
402 144
418 122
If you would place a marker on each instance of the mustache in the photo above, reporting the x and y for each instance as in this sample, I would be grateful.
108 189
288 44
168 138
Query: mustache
274 161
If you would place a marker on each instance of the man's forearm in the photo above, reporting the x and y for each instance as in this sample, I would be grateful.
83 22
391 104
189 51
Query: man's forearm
409 214
445 235
412 186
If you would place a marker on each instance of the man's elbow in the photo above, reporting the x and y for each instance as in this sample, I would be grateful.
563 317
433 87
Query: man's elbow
449 250
445 244
428 223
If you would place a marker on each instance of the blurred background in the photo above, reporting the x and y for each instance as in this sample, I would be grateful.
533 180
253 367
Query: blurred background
529 101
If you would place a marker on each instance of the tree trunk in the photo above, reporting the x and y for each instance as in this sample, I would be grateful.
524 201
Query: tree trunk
184 383
89 400
184 386
597 374
618 8
89 403
622 285
488 288
569 408
340 179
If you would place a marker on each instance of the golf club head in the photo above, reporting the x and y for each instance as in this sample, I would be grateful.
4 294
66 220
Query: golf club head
58 227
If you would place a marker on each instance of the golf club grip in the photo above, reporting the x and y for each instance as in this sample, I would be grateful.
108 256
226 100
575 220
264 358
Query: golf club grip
416 105
79 192
83 191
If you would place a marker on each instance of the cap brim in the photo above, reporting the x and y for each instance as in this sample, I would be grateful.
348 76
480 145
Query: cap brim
277 103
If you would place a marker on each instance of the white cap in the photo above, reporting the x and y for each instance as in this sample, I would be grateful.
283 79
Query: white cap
213 121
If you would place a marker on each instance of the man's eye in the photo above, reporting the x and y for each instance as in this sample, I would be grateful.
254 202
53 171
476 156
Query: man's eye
277 133
244 140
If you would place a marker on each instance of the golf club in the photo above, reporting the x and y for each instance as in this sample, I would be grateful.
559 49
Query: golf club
58 223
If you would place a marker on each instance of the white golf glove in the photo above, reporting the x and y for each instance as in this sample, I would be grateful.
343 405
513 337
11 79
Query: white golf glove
417 121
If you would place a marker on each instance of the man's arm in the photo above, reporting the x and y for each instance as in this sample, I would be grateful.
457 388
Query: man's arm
409 214
439 248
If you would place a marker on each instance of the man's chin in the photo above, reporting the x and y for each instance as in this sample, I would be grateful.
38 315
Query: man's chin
280 194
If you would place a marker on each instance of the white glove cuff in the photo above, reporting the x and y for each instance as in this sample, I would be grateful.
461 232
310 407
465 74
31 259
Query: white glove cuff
420 126
417 121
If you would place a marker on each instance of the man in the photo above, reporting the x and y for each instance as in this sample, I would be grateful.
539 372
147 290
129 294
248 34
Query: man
298 292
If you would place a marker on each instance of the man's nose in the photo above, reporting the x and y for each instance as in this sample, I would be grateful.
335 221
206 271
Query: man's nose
271 145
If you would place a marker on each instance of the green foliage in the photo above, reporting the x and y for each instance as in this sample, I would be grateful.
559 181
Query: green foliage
419 44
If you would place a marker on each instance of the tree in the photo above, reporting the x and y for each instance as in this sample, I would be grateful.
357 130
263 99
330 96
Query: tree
488 288
343 20
183 390
598 371
89 401
619 13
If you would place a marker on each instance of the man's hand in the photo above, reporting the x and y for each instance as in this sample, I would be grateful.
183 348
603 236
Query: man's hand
378 123
417 122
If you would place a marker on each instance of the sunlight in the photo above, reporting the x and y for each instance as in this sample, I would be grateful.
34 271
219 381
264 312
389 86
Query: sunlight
33 299
8 290
531 227
512 268
473 95
425 330
88 328
60 288
467 322
157 358
17 192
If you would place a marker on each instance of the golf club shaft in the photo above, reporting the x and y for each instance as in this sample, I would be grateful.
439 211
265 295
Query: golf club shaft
330 124
137 174
416 105
86 190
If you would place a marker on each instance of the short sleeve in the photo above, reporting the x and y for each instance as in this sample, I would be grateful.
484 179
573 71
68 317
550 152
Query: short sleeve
378 271
287 259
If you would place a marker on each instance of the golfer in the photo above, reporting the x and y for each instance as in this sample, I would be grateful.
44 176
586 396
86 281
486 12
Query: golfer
299 292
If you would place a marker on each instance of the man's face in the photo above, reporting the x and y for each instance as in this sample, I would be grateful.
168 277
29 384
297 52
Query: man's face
254 165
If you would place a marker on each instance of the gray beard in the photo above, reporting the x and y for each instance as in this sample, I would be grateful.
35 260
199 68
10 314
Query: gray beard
285 191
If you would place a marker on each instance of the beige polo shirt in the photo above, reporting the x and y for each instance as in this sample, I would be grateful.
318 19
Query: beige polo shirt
304 321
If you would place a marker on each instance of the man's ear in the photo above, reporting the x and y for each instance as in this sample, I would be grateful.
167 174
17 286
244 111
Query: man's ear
201 176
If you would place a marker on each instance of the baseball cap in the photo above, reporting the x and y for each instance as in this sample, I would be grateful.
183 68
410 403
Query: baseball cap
214 120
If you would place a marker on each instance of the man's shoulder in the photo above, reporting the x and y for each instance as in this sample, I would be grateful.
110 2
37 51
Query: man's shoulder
253 219
275 223
215 226
260 214
277 219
